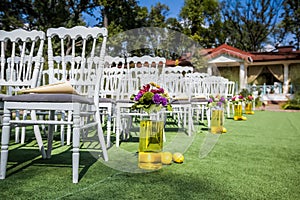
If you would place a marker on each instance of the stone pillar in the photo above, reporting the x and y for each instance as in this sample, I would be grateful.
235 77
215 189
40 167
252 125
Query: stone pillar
285 78
209 69
243 76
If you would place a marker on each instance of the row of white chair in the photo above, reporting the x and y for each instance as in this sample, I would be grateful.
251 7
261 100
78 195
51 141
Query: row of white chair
76 56
189 91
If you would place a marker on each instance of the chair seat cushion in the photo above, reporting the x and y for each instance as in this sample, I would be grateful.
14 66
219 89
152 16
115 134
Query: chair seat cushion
199 100
3 96
107 100
177 101
125 101
62 98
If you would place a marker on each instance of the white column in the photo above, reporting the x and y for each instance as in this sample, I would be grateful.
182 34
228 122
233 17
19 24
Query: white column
209 69
242 76
285 78
245 75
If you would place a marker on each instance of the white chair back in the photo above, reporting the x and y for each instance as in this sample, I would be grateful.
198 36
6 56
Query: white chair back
183 70
75 55
21 59
215 85
112 73
230 85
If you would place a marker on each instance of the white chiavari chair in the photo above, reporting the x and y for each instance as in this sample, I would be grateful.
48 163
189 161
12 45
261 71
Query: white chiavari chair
21 63
83 70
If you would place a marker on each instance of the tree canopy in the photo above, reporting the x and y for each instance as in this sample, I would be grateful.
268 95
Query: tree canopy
248 24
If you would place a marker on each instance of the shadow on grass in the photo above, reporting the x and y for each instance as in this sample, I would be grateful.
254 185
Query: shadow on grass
23 156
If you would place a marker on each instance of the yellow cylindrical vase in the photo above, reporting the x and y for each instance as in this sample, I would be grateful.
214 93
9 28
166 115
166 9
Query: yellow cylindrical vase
248 109
150 144
238 112
217 121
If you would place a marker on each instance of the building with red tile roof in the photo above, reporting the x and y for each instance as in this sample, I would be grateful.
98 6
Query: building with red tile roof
282 65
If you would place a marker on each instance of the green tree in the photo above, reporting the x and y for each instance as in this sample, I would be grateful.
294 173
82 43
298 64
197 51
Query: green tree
32 14
158 14
248 24
291 21
202 21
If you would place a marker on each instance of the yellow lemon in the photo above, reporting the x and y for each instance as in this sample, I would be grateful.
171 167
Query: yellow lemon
224 130
178 157
166 158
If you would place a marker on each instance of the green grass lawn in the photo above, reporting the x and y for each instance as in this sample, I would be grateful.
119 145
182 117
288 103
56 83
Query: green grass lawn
256 159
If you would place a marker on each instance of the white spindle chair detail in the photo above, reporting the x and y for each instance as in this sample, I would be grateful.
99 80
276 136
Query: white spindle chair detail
20 68
179 91
64 63
112 73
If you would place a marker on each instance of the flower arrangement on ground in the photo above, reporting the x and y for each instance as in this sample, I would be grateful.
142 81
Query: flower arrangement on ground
249 98
216 101
238 111
151 98
237 99
249 103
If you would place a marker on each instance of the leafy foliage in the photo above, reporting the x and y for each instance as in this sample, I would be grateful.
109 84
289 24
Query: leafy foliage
42 15
248 24
293 103
291 22
202 21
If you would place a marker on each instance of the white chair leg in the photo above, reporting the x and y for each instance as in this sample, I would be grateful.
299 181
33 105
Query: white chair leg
118 124
50 134
4 143
62 129
76 143
228 110
101 137
208 117
23 129
55 127
37 134
69 128
109 118
17 129
190 120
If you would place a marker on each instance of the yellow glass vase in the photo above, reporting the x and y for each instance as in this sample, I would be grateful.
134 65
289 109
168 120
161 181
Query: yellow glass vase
238 112
150 144
217 120
248 108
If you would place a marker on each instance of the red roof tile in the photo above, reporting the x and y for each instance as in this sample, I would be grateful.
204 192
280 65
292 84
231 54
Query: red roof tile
229 50
273 56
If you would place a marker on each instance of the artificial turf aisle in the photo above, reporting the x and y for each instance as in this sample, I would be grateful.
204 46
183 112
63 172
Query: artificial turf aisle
256 159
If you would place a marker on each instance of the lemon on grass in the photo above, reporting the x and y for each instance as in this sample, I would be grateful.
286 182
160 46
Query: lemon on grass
166 158
178 157
224 130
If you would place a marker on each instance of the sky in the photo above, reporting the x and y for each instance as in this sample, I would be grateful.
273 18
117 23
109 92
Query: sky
174 5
